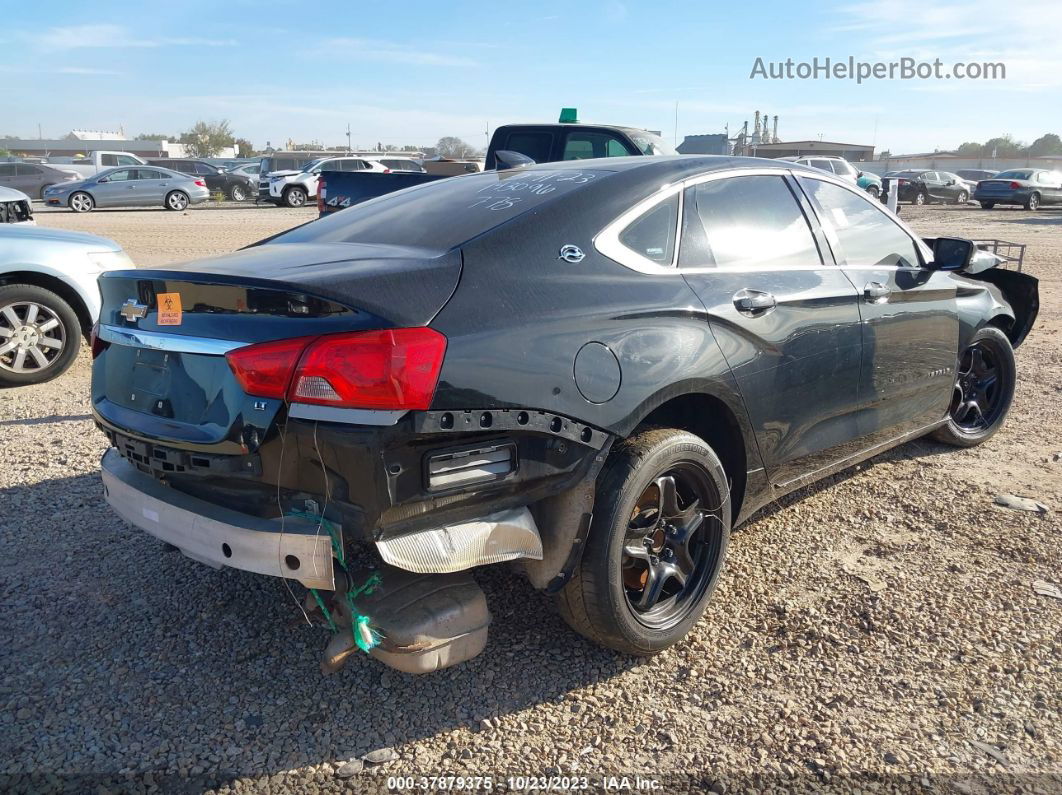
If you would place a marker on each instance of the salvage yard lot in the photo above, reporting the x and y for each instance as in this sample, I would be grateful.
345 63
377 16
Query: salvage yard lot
881 621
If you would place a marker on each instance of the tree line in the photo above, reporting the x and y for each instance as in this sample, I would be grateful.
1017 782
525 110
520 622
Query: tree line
1006 146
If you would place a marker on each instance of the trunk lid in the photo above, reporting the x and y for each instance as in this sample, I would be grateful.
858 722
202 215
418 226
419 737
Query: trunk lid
161 373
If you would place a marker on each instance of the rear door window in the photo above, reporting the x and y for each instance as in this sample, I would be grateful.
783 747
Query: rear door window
7 169
536 145
26 170
746 222
821 164
867 236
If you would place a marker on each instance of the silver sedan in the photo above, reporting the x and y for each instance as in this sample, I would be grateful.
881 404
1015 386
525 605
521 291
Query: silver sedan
125 186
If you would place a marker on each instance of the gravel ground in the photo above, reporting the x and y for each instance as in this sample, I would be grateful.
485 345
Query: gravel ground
879 626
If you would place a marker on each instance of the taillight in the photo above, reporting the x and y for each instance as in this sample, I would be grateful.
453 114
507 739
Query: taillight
391 369
265 369
200 183
903 182
387 171
97 345
1015 185
321 186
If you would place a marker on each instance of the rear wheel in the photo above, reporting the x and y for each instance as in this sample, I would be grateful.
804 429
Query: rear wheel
176 200
39 335
660 530
987 205
295 197
921 197
1033 202
961 198
984 389
874 191
81 202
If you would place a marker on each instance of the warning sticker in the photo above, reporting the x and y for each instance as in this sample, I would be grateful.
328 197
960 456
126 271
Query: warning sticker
169 309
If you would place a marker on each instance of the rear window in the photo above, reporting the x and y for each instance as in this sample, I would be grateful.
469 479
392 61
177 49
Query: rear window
1014 175
444 214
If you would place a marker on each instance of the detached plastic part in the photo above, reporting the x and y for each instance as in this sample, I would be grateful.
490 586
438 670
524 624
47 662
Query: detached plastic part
427 621
501 536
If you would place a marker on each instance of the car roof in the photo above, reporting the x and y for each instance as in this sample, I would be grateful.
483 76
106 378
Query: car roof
676 167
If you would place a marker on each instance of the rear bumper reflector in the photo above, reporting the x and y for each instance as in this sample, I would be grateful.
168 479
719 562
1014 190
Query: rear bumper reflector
218 536
506 535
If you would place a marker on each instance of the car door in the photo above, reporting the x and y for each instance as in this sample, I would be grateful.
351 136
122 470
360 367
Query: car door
215 181
784 315
951 185
909 313
7 175
28 179
116 189
151 185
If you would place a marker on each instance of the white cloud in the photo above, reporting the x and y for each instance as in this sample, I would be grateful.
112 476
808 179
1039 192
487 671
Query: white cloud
112 36
347 49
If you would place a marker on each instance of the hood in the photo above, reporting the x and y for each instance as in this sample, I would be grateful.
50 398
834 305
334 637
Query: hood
288 173
12 195
45 234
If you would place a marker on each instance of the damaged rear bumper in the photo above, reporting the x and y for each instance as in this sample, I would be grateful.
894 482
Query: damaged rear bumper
289 547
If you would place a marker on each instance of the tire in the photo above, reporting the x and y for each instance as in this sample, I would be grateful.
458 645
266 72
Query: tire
961 198
987 205
874 191
1033 202
601 601
921 198
81 202
238 193
49 335
176 200
295 197
984 389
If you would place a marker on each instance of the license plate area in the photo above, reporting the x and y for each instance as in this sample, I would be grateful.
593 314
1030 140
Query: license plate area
150 385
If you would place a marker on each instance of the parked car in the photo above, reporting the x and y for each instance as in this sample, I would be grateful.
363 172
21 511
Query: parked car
399 164
95 162
48 297
1026 187
249 170
237 187
541 365
295 188
919 186
868 181
975 175
15 208
130 187
33 178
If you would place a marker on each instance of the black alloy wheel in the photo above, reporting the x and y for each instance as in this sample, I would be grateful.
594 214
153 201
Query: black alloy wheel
983 389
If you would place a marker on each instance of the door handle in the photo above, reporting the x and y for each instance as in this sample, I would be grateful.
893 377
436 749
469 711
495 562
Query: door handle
876 293
754 303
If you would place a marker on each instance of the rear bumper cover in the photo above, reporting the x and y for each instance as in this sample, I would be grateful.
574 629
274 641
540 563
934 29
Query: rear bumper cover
290 548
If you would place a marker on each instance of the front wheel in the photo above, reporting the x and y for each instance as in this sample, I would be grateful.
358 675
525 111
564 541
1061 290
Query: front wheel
984 389
961 198
237 193
1033 202
657 541
295 197
176 200
39 335
987 205
81 202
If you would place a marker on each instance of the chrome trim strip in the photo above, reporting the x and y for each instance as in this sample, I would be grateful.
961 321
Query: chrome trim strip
310 411
176 343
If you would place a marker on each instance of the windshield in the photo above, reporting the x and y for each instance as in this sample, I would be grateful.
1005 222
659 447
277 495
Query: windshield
650 144
1014 175
443 214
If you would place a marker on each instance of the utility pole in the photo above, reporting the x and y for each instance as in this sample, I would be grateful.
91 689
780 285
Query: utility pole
349 150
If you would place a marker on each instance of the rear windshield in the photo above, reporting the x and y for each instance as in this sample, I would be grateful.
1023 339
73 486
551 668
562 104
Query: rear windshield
1014 175
443 214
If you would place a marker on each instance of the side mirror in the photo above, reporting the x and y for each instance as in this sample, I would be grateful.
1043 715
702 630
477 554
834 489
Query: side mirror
316 171
859 175
101 180
950 182
952 253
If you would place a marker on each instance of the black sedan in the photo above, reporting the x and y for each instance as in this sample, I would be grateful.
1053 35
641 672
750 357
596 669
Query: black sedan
237 187
1026 187
930 187
594 368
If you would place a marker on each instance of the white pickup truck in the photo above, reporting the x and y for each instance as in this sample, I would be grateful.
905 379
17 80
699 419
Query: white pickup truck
96 162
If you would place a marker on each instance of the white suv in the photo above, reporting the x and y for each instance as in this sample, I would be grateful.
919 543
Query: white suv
295 188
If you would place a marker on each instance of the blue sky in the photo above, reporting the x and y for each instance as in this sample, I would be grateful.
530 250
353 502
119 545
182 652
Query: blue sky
412 72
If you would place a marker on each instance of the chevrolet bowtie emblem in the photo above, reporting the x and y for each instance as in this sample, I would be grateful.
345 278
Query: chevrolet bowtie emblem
131 310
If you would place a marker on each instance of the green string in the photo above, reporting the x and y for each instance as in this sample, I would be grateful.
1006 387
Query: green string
365 636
